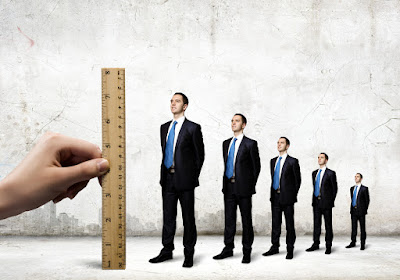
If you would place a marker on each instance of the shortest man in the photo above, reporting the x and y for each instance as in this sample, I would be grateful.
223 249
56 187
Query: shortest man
358 209
323 200
242 167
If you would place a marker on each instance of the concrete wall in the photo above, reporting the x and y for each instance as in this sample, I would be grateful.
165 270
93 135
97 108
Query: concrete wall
323 73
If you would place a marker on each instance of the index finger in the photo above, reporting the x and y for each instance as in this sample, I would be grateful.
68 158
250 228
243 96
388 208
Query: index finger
76 147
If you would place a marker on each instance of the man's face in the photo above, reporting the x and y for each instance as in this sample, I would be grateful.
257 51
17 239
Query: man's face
177 105
282 146
357 178
237 123
322 159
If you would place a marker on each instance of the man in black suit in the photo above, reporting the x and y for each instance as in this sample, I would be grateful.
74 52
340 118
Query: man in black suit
323 200
242 167
286 180
358 209
183 156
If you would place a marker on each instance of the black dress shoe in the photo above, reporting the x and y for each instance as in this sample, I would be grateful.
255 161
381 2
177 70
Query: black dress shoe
289 255
272 251
362 247
223 255
351 245
313 248
161 258
246 258
188 262
328 250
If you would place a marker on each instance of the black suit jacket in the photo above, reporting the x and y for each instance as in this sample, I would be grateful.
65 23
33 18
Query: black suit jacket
362 201
247 167
328 189
188 155
290 180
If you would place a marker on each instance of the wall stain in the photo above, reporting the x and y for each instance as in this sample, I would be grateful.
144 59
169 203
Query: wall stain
213 23
371 8
30 40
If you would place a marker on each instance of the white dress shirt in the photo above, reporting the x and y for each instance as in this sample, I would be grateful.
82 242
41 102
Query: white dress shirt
358 190
178 127
237 144
284 156
320 176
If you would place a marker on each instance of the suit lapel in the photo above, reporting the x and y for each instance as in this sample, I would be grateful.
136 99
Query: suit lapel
165 135
324 178
359 194
240 149
273 166
285 165
226 147
181 133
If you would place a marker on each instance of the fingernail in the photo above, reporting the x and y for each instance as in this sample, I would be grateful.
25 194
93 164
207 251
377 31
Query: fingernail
102 165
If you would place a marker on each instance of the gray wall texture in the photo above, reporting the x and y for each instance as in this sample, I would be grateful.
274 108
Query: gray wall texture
323 73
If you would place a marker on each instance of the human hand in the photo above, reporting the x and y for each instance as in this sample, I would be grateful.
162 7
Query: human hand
57 167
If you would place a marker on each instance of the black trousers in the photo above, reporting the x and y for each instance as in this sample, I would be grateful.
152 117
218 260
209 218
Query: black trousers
277 210
327 213
354 219
170 199
231 202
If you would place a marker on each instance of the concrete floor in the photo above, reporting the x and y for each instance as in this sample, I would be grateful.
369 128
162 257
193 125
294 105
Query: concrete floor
80 258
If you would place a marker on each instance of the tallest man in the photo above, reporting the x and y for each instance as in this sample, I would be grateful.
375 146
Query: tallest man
183 156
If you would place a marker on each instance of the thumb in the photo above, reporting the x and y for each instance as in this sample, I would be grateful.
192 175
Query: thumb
85 170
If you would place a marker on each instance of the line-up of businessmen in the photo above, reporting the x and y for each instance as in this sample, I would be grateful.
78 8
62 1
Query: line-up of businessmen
183 156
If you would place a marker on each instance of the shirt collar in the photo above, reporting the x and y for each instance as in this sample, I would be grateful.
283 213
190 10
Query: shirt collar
180 120
358 185
239 137
323 169
284 156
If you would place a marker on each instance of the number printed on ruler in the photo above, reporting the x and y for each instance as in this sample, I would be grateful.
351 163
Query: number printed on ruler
113 182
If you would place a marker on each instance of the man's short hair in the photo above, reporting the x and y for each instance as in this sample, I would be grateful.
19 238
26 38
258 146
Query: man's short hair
360 175
184 97
287 140
326 156
243 117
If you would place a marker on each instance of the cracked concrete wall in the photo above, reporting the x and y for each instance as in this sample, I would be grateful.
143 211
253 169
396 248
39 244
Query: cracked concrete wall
323 73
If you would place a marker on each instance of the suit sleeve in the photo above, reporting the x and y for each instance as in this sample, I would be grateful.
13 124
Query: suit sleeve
367 198
161 137
223 152
255 159
297 174
198 148
334 184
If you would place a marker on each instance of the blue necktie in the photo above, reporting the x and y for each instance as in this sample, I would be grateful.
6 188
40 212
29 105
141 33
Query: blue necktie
354 200
229 161
316 187
169 149
276 174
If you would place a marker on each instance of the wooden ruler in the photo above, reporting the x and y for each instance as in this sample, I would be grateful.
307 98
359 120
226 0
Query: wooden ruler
113 182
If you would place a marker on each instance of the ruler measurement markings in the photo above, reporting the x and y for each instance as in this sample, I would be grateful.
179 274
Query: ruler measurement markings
114 188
